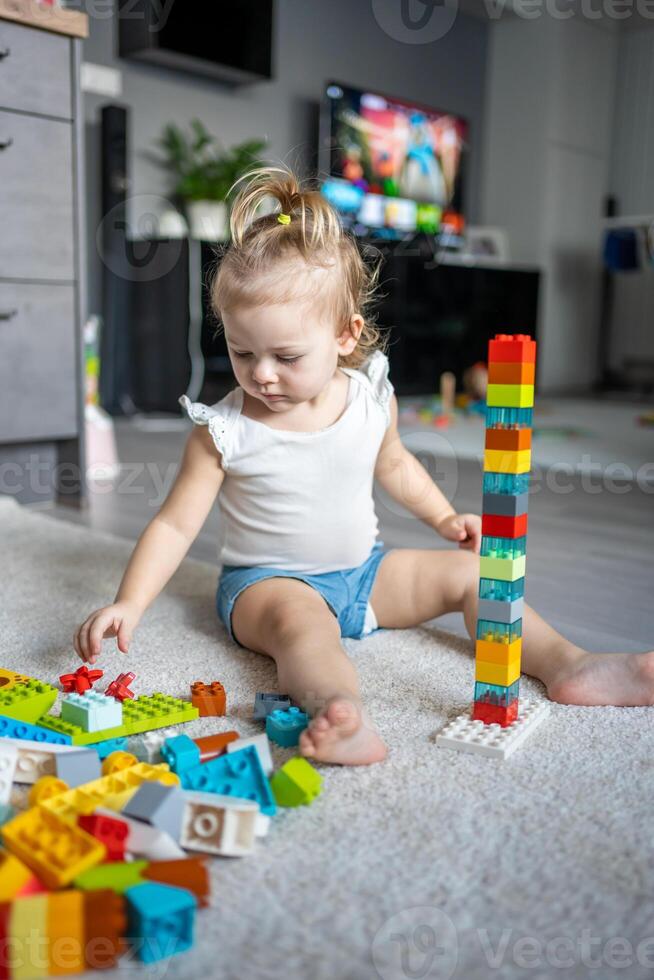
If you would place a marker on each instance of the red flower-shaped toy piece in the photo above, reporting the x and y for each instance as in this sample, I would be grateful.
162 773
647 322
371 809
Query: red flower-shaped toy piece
119 688
81 680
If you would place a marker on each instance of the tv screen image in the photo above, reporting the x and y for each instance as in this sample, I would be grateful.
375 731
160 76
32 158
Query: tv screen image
393 165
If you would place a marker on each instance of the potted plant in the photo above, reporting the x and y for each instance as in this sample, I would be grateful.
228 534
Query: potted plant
203 173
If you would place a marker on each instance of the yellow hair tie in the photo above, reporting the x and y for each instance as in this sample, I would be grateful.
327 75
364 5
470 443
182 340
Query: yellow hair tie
284 219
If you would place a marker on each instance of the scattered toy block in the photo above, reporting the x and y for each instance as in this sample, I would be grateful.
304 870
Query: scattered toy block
147 746
261 744
217 824
285 727
8 761
110 831
55 850
238 774
158 805
77 767
28 921
211 746
13 728
180 752
499 526
147 712
25 698
92 711
80 680
119 687
264 704
45 788
108 746
117 761
296 784
145 841
510 396
209 699
16 878
65 930
161 918
116 876
105 925
512 348
187 872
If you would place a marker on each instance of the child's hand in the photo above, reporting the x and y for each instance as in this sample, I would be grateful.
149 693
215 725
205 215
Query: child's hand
464 528
118 620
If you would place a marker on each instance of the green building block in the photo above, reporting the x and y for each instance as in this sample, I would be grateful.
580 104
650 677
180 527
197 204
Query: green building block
296 784
117 875
28 700
143 714
505 569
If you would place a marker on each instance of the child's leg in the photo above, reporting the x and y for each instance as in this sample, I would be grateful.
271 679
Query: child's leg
413 586
290 622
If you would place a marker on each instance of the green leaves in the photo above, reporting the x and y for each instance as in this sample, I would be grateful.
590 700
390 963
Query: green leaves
201 169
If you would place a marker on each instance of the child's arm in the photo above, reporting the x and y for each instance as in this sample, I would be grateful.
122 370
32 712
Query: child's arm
407 481
160 548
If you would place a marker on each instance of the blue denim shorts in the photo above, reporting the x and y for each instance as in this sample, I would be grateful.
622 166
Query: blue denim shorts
346 592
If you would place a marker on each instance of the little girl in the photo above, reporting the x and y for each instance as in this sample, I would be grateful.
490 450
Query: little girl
292 453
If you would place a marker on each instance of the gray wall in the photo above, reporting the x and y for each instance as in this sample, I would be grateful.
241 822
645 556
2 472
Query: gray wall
315 40
632 182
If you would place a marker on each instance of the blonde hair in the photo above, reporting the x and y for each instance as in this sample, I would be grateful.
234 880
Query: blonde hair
253 269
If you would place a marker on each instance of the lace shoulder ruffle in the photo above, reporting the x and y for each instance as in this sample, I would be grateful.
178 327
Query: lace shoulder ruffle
219 418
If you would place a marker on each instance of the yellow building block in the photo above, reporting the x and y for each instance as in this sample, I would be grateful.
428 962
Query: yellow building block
66 933
111 791
498 653
14 875
52 848
505 569
28 947
510 396
504 674
503 461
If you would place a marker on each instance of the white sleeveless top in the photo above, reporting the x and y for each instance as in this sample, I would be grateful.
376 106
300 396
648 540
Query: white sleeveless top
301 501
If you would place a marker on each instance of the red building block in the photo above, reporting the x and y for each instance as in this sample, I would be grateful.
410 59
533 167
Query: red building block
119 688
110 831
209 699
512 347
508 440
80 680
500 526
495 714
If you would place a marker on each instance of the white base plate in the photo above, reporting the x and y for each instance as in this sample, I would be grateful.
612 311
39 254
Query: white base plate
465 735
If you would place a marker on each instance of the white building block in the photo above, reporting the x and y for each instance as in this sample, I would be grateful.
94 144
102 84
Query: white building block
222 825
465 735
147 746
8 760
261 744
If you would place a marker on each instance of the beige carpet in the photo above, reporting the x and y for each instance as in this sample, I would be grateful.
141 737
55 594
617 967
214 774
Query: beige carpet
432 865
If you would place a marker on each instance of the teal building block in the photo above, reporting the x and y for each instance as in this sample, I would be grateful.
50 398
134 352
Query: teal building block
180 752
108 746
12 728
233 774
160 920
285 727
497 694
92 711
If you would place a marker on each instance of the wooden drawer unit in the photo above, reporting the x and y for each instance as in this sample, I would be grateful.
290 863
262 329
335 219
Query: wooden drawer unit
38 393
36 198
35 71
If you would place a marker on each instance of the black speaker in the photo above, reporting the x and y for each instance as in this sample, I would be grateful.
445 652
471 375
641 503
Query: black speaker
115 345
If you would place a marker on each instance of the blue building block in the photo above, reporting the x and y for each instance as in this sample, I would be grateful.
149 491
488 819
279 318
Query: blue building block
160 920
497 694
499 610
77 768
92 711
264 704
285 727
511 483
111 745
158 805
235 774
496 590
180 752
12 728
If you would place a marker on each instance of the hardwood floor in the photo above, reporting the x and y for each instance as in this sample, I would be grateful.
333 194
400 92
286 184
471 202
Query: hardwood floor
590 550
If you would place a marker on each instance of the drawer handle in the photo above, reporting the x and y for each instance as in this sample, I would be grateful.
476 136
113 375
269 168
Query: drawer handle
4 53
5 144
8 314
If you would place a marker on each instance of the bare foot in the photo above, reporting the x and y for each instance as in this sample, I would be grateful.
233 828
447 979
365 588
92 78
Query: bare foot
622 679
340 734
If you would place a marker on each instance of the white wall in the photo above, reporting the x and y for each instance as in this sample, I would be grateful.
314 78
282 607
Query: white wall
548 132
632 182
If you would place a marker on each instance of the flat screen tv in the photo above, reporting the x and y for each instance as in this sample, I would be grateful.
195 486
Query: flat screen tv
392 168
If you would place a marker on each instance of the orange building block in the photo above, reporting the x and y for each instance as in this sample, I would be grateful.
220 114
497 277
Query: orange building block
105 925
209 699
512 373
509 440
211 746
190 873
66 933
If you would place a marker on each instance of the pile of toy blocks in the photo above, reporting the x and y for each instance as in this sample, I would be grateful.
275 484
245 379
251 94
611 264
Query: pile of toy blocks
96 864
507 463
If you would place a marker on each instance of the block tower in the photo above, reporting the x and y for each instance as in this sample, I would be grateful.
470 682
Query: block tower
507 462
